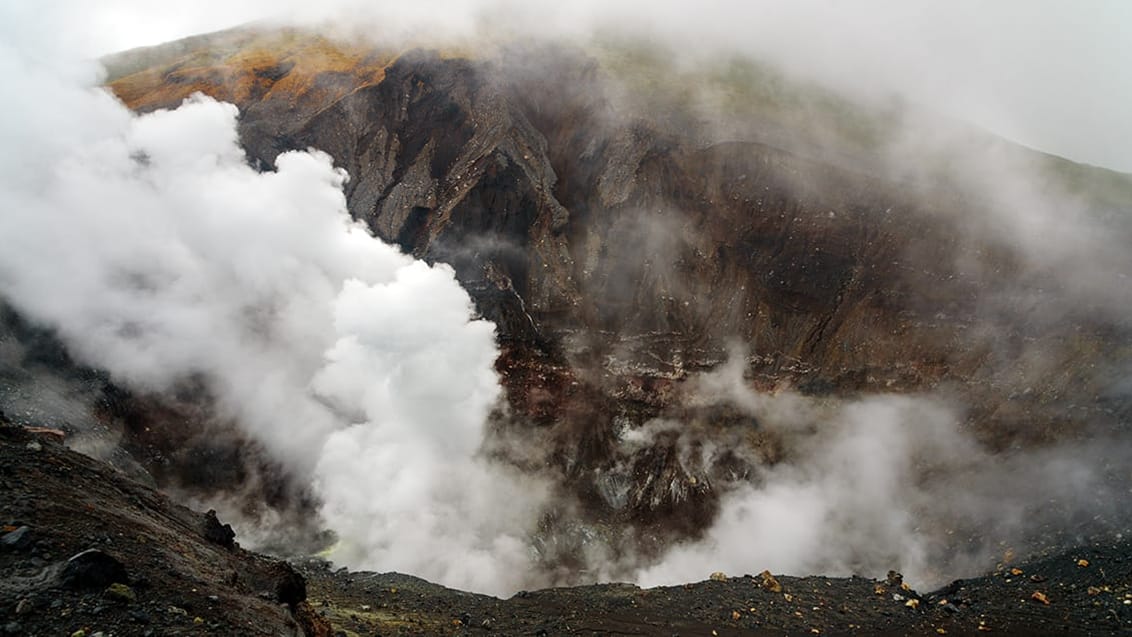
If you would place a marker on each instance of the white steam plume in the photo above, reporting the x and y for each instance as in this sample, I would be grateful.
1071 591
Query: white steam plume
846 502
159 254
893 482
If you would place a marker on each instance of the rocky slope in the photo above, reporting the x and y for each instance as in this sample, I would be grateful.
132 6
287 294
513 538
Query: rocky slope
116 557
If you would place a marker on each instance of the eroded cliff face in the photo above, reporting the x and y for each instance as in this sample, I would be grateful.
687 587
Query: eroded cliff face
621 248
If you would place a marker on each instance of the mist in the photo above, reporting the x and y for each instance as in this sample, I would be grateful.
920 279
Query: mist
896 480
1049 74
156 252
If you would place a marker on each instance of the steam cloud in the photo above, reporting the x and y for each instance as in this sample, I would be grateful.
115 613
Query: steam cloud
894 480
158 253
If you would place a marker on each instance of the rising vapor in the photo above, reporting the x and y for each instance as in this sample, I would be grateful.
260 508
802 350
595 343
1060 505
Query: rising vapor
160 255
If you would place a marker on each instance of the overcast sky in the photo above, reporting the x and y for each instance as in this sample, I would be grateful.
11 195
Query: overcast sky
1052 74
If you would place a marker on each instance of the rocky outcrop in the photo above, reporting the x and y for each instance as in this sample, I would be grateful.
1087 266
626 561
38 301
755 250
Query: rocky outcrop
109 554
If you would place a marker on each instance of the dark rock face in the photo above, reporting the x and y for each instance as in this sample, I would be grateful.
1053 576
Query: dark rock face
93 569
563 216
446 167
620 250
288 586
218 533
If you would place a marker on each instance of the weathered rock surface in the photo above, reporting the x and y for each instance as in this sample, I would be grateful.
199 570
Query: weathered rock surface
620 247
138 561
92 569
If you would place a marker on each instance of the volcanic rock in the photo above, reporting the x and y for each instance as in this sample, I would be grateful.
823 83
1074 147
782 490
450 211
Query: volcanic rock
92 569
120 593
769 582
19 539
218 533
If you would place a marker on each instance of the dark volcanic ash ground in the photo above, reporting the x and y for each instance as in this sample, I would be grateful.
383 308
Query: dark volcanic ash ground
165 570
